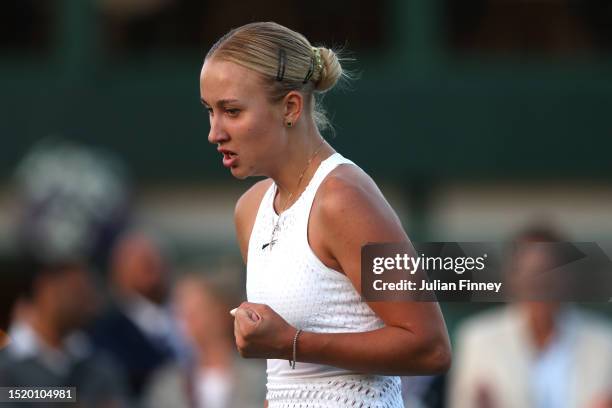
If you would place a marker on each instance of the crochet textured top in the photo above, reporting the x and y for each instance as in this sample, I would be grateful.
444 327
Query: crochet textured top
291 279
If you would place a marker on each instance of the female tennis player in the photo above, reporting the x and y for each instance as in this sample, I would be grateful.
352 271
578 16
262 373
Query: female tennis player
301 231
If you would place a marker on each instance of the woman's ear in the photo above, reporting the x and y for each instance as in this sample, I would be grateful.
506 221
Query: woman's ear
293 104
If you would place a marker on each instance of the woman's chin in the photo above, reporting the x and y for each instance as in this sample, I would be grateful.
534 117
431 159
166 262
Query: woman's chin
238 172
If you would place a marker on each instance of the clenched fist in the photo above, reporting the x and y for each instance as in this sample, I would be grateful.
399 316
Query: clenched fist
261 332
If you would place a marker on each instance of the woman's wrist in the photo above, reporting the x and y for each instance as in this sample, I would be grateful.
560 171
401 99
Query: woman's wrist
287 344
293 359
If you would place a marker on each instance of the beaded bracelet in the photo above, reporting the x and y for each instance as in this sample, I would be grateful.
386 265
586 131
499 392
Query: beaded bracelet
292 362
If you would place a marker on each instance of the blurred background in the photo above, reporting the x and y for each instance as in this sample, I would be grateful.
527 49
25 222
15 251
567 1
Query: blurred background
476 118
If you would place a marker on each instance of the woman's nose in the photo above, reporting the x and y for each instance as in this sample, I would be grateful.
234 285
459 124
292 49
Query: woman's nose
216 134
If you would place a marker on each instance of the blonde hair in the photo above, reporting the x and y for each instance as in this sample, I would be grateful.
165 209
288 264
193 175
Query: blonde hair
286 61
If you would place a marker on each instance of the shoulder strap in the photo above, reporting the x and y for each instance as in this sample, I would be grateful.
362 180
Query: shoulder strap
326 167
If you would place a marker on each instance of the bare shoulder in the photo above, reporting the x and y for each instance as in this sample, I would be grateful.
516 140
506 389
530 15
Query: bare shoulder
348 212
349 192
246 211
345 179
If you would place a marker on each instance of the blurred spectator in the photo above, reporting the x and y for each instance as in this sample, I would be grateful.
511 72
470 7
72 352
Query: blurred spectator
424 391
533 354
14 275
11 270
215 377
73 200
46 348
136 328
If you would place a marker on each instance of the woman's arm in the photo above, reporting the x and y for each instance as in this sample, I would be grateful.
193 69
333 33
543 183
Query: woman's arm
391 350
349 212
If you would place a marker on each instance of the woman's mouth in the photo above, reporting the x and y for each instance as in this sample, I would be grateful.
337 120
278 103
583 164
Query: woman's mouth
229 159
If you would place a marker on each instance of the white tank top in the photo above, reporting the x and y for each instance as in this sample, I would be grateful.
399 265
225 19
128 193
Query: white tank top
291 279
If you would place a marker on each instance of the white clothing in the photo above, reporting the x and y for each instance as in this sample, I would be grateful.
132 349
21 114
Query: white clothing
26 343
213 388
550 369
496 362
293 281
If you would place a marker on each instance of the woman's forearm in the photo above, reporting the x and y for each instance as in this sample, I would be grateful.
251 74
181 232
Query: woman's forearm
389 351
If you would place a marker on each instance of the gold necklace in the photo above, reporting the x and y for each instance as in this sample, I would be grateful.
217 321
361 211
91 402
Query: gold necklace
288 199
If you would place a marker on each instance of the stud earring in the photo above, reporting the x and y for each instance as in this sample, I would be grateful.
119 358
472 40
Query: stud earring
289 124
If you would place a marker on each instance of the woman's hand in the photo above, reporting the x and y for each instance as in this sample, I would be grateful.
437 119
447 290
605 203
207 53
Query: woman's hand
261 332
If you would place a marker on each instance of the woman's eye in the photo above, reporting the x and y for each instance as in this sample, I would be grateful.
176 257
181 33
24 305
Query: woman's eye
232 112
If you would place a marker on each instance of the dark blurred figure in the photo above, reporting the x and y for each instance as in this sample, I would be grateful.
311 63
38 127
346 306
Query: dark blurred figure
46 348
424 391
16 271
214 376
136 327
11 269
533 353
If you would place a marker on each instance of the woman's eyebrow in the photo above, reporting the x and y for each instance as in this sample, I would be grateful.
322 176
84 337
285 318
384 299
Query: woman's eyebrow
224 102
221 102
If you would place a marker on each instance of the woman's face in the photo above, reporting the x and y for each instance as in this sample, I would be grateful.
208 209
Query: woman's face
245 126
202 317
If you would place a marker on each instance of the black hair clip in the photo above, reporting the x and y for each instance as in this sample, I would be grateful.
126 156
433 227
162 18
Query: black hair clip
310 70
282 62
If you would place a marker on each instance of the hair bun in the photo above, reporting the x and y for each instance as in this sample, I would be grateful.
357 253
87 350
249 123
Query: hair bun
331 71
